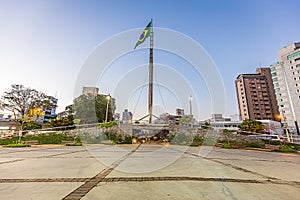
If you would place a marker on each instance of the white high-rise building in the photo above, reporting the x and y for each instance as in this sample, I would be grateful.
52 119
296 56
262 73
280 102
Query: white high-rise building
286 80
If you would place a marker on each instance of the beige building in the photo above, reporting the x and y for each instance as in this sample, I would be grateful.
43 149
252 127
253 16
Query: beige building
256 96
90 90
286 80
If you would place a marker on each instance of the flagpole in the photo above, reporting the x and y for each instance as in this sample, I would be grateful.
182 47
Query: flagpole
150 92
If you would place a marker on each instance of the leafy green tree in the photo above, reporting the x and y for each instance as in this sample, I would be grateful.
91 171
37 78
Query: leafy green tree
20 100
206 125
62 121
31 125
252 126
185 120
92 109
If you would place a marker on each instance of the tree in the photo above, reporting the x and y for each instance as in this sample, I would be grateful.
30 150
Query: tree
21 100
62 121
206 125
92 109
31 125
185 120
252 126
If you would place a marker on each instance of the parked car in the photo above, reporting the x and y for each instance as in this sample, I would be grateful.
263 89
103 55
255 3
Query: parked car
5 136
269 137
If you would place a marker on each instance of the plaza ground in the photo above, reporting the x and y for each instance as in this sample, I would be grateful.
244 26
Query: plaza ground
146 172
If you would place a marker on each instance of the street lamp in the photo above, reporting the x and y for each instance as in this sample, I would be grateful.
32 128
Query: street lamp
190 98
106 115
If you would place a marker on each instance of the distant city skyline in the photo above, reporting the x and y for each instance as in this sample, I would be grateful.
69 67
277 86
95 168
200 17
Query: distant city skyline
45 43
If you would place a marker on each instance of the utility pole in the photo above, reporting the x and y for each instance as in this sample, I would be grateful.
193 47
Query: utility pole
106 114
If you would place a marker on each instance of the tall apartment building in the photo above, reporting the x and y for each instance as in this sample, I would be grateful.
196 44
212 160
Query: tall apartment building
256 96
286 80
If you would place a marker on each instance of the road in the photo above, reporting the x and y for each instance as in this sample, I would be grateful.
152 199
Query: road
146 172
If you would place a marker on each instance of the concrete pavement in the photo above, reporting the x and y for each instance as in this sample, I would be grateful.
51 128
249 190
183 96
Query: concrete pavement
147 172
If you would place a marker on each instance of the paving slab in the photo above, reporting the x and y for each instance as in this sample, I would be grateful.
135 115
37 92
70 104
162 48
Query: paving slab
185 166
191 190
51 168
36 191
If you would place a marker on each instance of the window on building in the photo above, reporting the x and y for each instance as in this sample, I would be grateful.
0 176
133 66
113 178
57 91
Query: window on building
273 69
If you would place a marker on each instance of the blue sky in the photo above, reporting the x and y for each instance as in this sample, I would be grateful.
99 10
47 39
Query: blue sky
43 43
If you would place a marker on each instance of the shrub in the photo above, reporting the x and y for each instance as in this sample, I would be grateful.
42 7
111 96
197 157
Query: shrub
209 141
286 149
18 145
254 144
108 124
74 144
53 138
128 139
181 138
7 141
94 136
296 146
271 142
198 139
228 146
195 144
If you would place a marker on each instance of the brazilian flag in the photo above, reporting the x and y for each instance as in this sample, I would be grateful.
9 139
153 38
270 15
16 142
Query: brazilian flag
144 35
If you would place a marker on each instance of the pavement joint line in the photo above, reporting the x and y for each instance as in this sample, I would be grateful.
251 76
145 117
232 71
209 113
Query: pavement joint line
11 161
29 150
230 165
233 166
81 191
94 181
58 154
47 156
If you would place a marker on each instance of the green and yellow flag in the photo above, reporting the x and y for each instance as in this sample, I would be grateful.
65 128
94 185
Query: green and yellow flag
144 35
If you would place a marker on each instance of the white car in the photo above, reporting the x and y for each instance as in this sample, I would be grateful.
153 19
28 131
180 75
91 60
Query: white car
268 137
